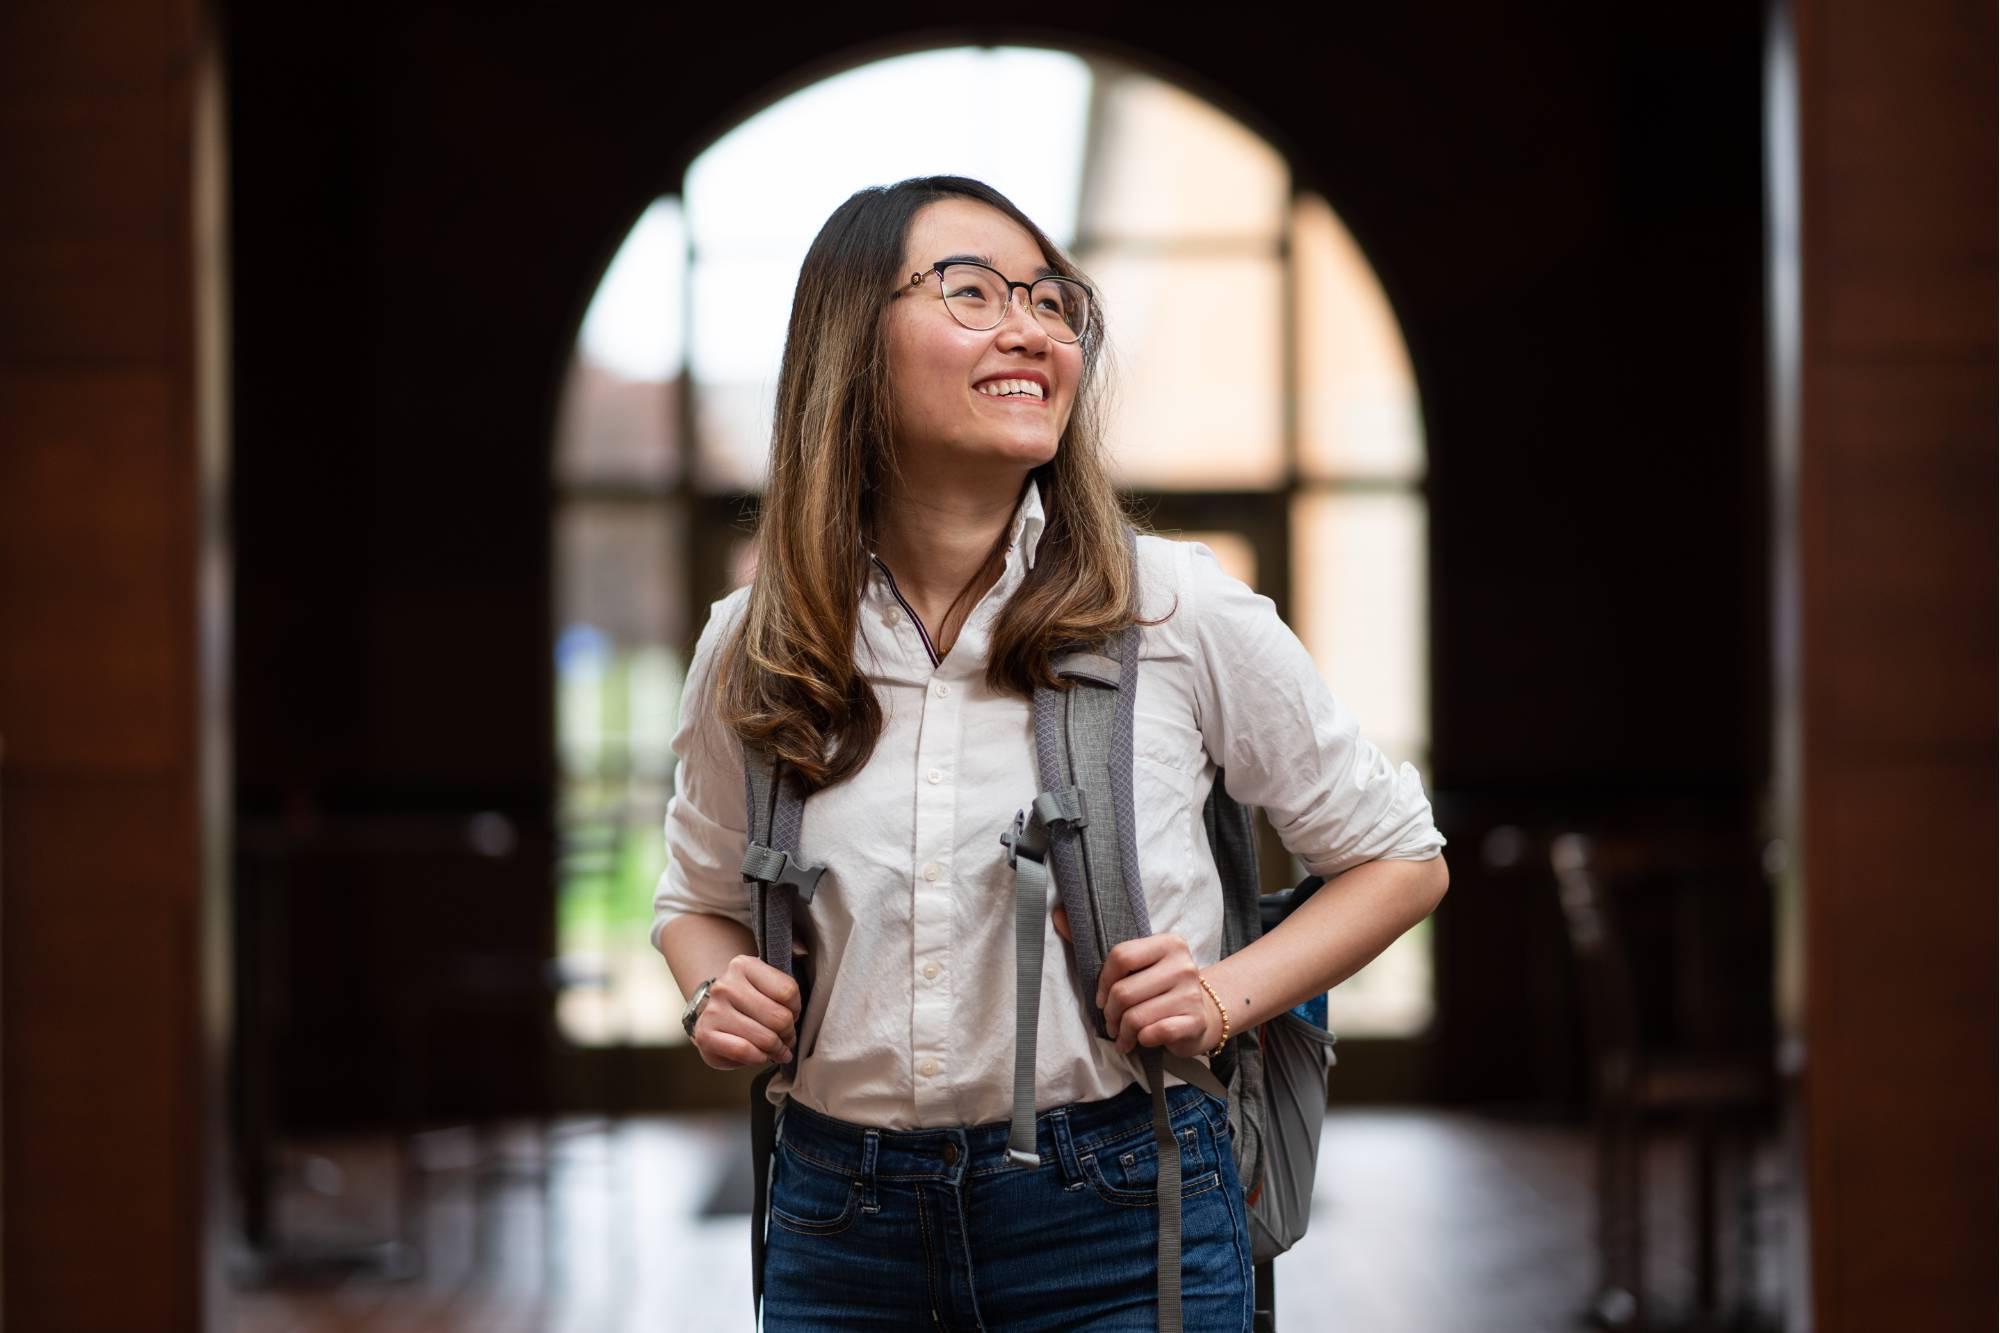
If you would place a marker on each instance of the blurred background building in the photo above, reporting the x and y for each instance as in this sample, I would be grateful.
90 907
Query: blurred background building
1607 402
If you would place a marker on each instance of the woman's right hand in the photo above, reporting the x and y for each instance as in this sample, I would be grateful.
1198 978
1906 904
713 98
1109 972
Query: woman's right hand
751 1017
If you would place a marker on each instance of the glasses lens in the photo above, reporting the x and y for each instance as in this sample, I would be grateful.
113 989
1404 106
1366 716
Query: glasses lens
1063 307
977 298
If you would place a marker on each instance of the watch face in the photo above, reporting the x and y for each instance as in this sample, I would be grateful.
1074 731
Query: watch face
694 1006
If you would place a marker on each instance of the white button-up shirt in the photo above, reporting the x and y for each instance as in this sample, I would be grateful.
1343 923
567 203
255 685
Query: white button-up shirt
910 1019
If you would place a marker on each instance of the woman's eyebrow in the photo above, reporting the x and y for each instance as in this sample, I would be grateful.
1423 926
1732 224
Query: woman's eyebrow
1043 272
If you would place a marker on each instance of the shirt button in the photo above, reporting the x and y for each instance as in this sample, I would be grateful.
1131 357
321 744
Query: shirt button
930 971
941 689
934 776
931 871
927 1068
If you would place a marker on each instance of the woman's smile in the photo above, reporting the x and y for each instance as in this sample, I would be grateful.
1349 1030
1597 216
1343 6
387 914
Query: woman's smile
1015 387
1012 399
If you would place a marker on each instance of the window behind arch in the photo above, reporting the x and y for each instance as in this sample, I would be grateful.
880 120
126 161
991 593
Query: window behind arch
1265 405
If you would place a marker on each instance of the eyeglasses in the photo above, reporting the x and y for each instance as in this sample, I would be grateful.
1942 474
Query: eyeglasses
978 297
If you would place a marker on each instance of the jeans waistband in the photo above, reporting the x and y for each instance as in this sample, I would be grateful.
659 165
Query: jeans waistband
950 1153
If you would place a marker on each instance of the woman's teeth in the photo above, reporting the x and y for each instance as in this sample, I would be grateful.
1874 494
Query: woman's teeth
1007 388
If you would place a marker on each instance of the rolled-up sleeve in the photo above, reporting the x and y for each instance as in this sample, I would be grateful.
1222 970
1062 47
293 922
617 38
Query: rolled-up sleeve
1285 742
704 823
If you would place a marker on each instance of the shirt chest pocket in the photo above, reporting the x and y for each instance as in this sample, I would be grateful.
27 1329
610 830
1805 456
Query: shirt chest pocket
1166 763
1169 739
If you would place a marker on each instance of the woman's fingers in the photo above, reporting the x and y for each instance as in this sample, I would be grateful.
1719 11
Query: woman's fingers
1171 1020
759 997
726 1050
773 1043
720 1048
759 986
1148 992
1131 993
1179 1033
1151 995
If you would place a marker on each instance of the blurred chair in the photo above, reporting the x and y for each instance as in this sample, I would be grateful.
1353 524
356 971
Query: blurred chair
393 977
1671 938
281 866
517 1132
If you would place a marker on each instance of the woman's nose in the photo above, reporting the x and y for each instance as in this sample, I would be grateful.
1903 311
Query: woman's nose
1028 319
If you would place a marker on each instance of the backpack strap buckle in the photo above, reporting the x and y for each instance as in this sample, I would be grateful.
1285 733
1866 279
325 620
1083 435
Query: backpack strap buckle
1030 837
769 866
1025 839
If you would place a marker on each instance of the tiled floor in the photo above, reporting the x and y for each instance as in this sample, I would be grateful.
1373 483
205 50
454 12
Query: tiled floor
1425 1221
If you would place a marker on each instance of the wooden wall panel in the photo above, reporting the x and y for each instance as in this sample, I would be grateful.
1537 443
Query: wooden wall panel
1899 201
87 561
1905 550
107 1079
1897 476
100 985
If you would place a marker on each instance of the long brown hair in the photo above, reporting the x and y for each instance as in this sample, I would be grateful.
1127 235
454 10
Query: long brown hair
786 678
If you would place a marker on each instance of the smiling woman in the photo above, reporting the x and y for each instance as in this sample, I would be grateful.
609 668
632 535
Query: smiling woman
981 389
938 528
935 468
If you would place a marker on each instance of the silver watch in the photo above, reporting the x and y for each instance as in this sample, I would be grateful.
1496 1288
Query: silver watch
694 1006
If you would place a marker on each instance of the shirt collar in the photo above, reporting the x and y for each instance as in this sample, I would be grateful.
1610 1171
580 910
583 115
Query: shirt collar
1029 520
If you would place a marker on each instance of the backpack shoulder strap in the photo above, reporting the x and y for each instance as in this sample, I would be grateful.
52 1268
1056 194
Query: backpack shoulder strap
1233 842
774 808
1081 826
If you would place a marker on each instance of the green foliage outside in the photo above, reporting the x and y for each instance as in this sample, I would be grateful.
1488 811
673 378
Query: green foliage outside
617 900
611 810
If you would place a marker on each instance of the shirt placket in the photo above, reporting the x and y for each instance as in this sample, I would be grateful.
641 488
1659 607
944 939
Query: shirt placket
931 885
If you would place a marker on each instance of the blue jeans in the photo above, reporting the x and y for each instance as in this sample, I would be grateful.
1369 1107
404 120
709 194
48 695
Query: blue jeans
935 1229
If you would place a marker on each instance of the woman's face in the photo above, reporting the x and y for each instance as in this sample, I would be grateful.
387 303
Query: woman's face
936 364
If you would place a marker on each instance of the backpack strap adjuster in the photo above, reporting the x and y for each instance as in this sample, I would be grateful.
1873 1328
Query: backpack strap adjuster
1062 807
769 866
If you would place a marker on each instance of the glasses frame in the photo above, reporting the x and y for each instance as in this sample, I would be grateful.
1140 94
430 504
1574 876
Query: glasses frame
917 280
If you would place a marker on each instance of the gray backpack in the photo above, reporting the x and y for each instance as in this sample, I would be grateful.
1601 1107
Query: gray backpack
1080 827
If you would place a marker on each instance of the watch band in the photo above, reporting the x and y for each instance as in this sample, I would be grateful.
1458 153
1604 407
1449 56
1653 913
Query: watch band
692 1014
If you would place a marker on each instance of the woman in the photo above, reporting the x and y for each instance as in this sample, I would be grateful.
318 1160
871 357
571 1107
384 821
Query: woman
938 517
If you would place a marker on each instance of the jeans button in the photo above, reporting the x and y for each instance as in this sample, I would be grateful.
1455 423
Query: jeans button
951 1154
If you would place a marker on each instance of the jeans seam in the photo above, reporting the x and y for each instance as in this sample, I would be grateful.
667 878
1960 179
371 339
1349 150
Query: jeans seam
930 1257
1239 1222
965 1249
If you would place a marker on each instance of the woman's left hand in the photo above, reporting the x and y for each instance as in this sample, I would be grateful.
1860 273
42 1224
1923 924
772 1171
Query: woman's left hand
1150 996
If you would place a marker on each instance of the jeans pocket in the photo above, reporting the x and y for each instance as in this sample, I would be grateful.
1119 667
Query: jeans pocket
811 1197
1217 1111
1126 1170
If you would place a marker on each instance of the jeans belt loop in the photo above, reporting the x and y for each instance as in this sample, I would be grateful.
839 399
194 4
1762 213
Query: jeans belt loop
1072 1173
871 1142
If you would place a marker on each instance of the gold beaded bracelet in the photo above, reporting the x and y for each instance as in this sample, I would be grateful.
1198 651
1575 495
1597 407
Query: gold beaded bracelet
1219 1009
